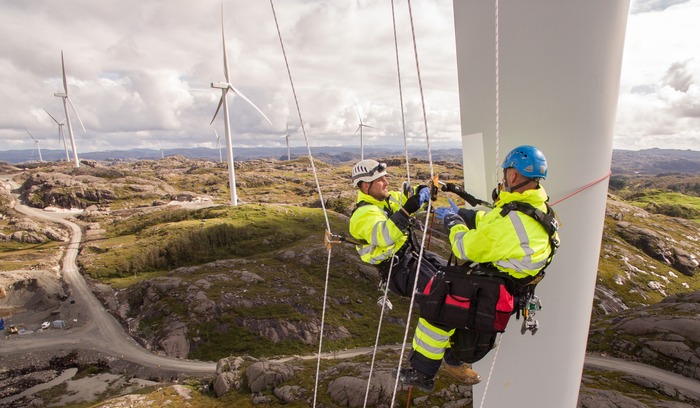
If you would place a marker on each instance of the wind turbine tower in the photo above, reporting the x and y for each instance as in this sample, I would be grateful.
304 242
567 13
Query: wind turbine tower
359 129
218 144
36 145
61 136
67 101
286 136
225 87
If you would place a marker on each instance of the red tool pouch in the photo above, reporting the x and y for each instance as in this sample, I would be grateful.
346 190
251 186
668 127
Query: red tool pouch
461 297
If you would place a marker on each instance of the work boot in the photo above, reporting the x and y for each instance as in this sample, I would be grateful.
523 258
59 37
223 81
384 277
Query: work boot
411 376
463 373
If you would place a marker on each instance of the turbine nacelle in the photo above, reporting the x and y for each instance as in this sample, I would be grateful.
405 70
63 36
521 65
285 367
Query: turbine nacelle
60 94
221 85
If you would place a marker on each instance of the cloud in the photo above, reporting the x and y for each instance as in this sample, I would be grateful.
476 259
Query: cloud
140 72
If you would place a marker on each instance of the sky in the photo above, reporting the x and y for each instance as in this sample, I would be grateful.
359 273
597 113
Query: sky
139 73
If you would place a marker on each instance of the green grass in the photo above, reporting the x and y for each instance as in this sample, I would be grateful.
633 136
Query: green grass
671 204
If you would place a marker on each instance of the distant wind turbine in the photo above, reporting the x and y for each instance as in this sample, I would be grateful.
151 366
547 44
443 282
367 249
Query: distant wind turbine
218 144
359 129
286 136
225 87
36 145
61 136
66 102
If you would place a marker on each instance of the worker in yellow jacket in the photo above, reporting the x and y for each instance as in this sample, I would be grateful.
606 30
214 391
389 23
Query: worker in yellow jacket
507 239
382 224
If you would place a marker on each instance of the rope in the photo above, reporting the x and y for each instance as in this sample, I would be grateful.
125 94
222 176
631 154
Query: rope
301 121
376 340
498 112
587 186
425 230
320 194
493 363
408 180
398 71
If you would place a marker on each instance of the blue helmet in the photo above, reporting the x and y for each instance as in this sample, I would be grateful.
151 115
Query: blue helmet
528 160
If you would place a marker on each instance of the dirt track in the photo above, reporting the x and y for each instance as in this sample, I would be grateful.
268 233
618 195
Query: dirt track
94 329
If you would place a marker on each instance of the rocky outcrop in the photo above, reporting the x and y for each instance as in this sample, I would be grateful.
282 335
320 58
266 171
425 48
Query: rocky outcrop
93 185
30 232
659 246
664 335
264 376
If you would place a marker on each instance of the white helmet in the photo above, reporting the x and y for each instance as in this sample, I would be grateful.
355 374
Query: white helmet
367 170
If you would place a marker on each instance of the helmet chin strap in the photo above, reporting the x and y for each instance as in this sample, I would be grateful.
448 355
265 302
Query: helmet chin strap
515 187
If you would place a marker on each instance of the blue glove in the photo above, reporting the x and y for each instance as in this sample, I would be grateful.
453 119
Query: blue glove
441 212
424 195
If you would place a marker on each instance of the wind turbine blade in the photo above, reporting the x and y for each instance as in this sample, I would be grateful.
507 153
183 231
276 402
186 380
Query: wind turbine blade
368 126
30 135
63 69
76 113
358 113
237 92
54 119
221 102
223 41
217 135
357 130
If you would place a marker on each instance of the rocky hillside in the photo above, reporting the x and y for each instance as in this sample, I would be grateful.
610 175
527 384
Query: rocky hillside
191 277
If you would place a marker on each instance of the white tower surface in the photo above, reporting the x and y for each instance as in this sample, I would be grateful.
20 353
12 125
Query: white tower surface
558 80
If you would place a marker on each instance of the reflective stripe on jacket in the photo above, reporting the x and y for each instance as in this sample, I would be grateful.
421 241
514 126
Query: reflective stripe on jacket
371 223
516 244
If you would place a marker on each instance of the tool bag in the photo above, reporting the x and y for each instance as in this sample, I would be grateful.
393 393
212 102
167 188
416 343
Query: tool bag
403 273
468 297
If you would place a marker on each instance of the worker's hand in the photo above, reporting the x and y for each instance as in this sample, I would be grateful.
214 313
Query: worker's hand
416 201
441 212
469 217
451 220
452 188
459 190
424 194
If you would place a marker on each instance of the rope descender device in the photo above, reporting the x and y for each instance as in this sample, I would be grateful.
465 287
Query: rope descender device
434 187
529 321
329 238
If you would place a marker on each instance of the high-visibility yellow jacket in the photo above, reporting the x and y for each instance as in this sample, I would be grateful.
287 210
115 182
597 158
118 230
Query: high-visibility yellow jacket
515 243
372 222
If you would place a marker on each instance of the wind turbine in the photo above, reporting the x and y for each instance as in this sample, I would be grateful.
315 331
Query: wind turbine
359 129
66 102
61 136
218 144
225 87
36 145
286 136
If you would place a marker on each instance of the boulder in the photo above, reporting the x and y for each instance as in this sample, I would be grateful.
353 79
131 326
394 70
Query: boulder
267 376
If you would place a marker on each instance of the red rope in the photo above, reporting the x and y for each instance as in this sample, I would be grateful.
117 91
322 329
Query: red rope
408 398
583 188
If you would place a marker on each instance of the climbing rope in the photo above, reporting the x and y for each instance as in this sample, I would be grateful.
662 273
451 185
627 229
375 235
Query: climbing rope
498 159
493 363
425 230
398 72
376 339
498 110
587 186
408 181
320 194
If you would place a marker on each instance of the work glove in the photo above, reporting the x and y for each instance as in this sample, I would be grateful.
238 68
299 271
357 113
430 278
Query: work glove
469 217
417 200
459 190
451 220
441 212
